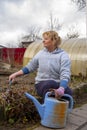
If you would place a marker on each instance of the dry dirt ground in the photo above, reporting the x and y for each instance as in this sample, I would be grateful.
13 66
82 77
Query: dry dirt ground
15 93
21 85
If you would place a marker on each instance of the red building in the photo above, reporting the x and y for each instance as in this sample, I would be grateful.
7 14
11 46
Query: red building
13 56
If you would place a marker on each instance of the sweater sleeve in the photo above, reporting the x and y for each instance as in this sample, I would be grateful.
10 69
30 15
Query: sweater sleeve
65 71
25 70
32 64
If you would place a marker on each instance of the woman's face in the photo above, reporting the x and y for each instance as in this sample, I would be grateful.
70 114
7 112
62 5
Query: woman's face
48 43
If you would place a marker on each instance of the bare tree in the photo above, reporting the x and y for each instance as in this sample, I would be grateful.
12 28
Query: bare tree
32 34
73 35
53 23
80 3
73 32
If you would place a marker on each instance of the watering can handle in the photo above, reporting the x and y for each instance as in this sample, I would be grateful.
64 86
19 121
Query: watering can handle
70 101
66 96
47 94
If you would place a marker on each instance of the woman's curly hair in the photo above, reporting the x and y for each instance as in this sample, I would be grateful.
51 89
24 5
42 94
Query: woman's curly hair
54 37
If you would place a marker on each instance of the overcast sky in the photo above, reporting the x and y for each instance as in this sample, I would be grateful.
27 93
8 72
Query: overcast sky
16 16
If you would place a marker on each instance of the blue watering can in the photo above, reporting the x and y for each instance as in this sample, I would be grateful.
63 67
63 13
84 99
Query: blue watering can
53 112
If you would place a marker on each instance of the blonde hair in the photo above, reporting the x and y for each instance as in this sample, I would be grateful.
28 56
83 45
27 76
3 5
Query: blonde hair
54 37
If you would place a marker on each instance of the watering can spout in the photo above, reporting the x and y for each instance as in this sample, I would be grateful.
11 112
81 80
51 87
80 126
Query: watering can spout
39 107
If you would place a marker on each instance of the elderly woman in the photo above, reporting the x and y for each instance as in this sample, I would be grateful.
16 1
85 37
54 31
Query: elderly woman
52 65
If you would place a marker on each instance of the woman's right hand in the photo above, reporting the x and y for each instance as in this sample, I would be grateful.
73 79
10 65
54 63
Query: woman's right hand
12 77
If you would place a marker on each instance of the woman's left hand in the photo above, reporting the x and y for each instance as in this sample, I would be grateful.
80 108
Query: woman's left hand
59 92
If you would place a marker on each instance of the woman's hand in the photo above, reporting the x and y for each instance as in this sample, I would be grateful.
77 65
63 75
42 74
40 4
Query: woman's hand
59 92
14 75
